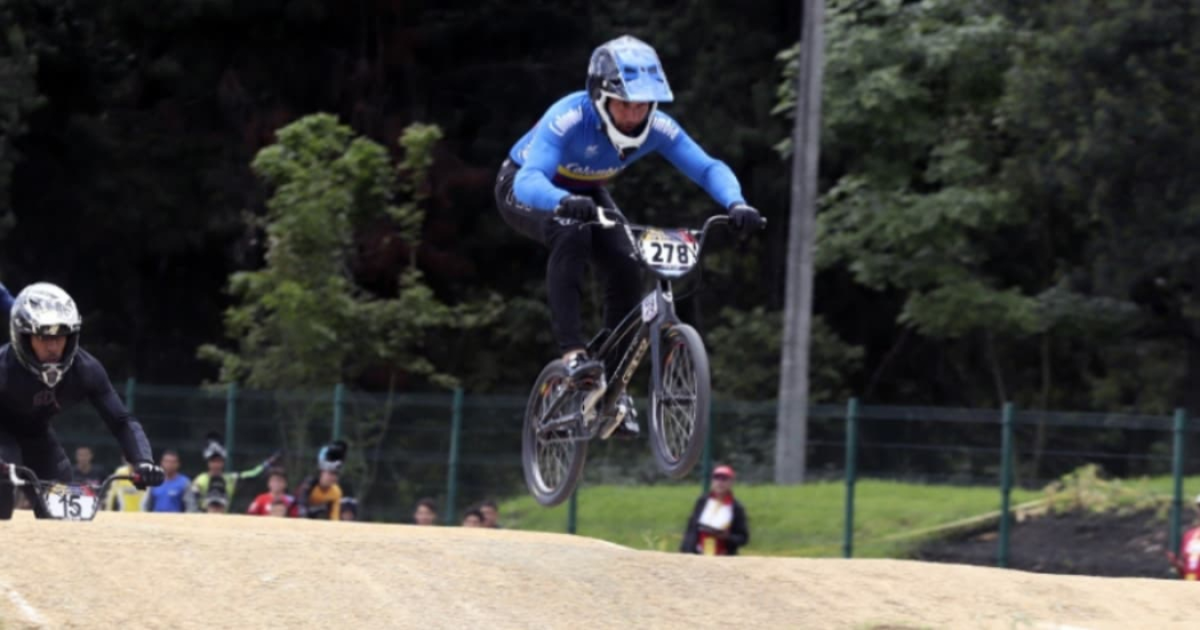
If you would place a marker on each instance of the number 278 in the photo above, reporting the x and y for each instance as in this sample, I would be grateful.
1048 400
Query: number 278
664 252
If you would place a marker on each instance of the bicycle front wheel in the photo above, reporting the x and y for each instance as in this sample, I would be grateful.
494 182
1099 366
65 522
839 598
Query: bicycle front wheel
679 405
552 451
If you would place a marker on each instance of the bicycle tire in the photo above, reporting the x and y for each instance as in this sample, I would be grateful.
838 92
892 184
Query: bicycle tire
677 432
574 449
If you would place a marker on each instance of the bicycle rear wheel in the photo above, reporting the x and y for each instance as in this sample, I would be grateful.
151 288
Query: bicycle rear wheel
552 456
679 405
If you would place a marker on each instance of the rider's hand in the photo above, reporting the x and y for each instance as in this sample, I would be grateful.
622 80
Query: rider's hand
744 218
148 474
578 207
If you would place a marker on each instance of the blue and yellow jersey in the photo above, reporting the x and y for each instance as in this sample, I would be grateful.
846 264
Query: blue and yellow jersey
568 151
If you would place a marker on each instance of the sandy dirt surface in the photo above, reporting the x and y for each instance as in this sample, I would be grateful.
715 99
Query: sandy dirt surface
200 571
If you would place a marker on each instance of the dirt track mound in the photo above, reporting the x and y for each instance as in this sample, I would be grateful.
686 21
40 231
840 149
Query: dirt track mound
200 571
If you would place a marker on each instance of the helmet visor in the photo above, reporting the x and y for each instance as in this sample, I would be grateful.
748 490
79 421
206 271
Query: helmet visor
641 73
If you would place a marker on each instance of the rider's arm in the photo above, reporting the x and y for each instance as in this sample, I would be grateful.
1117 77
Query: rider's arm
710 173
123 425
533 185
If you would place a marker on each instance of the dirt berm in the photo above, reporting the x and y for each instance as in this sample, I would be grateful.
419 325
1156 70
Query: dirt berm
201 571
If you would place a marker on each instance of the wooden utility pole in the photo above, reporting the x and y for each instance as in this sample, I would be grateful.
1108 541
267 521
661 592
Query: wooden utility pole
792 422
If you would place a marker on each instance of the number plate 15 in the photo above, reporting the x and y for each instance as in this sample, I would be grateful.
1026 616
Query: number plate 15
668 250
70 503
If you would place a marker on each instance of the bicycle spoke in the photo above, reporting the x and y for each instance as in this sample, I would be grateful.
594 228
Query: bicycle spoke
553 448
677 405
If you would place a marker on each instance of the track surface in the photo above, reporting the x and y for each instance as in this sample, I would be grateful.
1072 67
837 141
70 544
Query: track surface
201 571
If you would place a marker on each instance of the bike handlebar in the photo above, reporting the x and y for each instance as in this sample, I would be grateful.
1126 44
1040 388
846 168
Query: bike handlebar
603 221
32 478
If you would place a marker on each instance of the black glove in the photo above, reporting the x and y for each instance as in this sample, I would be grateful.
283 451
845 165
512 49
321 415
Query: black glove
578 207
744 218
148 474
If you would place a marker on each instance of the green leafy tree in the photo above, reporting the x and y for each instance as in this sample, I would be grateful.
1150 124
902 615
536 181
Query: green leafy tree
301 321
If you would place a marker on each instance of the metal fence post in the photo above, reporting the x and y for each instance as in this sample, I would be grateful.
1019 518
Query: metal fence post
339 394
230 418
706 465
1006 476
456 410
573 512
851 475
1177 473
130 390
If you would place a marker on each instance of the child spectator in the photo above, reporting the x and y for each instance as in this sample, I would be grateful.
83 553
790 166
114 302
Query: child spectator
491 514
85 471
473 518
426 512
276 494
216 503
319 495
216 479
349 509
718 524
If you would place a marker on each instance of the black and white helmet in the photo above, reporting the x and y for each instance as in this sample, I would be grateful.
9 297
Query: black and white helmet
44 309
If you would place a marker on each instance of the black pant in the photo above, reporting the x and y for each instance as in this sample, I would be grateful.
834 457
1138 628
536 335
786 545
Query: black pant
571 246
41 453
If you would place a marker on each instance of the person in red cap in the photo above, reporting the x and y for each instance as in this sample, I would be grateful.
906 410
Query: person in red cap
718 524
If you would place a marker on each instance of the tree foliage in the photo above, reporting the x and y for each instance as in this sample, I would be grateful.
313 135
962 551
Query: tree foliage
302 320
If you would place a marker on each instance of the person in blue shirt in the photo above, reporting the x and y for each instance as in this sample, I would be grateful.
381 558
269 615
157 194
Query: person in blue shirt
174 494
549 187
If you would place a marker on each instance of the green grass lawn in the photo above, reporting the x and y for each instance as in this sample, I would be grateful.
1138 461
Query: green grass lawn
802 520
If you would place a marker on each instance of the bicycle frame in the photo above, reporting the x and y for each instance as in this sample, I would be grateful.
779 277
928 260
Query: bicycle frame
643 326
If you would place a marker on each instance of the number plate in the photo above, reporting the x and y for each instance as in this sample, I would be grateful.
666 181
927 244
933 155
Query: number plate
71 503
668 251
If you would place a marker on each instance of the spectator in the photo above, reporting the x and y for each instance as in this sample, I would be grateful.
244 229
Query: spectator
426 512
473 518
122 495
216 503
276 494
1187 563
173 495
349 509
85 472
324 497
491 514
718 524
216 479
319 495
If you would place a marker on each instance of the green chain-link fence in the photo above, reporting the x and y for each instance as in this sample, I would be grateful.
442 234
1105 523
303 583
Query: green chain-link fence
458 448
